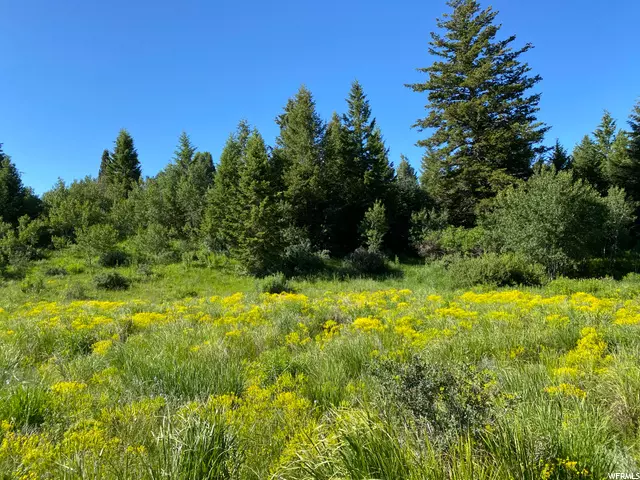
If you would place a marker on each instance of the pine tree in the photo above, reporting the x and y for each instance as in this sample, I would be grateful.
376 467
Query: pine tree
364 174
375 226
205 162
183 156
299 153
604 160
340 184
124 168
223 202
367 150
16 200
588 164
260 241
634 134
632 186
407 199
104 165
484 119
605 134
559 157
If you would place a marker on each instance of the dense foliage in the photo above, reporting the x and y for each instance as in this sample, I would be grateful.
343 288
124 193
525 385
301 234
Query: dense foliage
326 198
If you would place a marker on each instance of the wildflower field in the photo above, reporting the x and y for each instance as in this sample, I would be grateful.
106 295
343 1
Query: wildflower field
355 382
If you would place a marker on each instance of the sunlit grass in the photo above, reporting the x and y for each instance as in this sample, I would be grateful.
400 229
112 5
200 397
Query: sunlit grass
193 373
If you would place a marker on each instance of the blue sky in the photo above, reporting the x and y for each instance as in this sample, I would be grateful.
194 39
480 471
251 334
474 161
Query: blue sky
73 72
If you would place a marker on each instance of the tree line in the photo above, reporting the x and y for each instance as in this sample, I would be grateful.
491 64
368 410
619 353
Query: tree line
488 184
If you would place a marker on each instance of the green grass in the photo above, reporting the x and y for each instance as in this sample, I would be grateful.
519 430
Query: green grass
178 377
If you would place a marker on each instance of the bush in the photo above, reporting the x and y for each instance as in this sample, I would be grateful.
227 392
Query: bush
276 283
500 270
365 262
111 281
450 241
374 226
557 222
96 240
55 272
75 291
301 259
447 400
113 258
153 245
34 284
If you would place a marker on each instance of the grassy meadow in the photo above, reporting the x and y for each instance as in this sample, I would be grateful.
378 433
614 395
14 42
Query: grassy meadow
194 373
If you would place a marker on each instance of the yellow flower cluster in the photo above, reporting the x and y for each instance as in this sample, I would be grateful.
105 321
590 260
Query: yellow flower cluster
566 389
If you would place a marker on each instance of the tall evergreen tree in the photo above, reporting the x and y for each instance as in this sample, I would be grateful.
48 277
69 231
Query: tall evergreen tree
223 202
124 169
559 157
104 165
408 198
366 148
479 106
588 164
183 186
183 156
260 243
632 185
340 184
16 200
355 152
605 134
299 153
634 133
604 160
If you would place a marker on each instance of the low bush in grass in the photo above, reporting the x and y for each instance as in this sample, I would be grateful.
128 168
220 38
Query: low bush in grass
276 283
446 399
55 272
33 284
75 291
495 269
114 258
111 281
363 262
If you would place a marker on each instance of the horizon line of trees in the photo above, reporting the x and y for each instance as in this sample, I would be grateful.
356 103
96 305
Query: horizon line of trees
487 182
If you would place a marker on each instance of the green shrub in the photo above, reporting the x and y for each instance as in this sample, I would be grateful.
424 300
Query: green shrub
446 399
450 241
113 258
375 226
96 240
301 259
153 245
55 272
276 283
557 221
75 291
33 284
500 270
111 281
363 262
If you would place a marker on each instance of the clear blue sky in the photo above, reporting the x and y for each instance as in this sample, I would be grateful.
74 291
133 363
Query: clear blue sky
73 72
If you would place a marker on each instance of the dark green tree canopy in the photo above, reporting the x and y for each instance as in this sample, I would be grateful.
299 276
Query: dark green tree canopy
16 200
124 168
559 158
223 201
183 156
104 165
480 108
